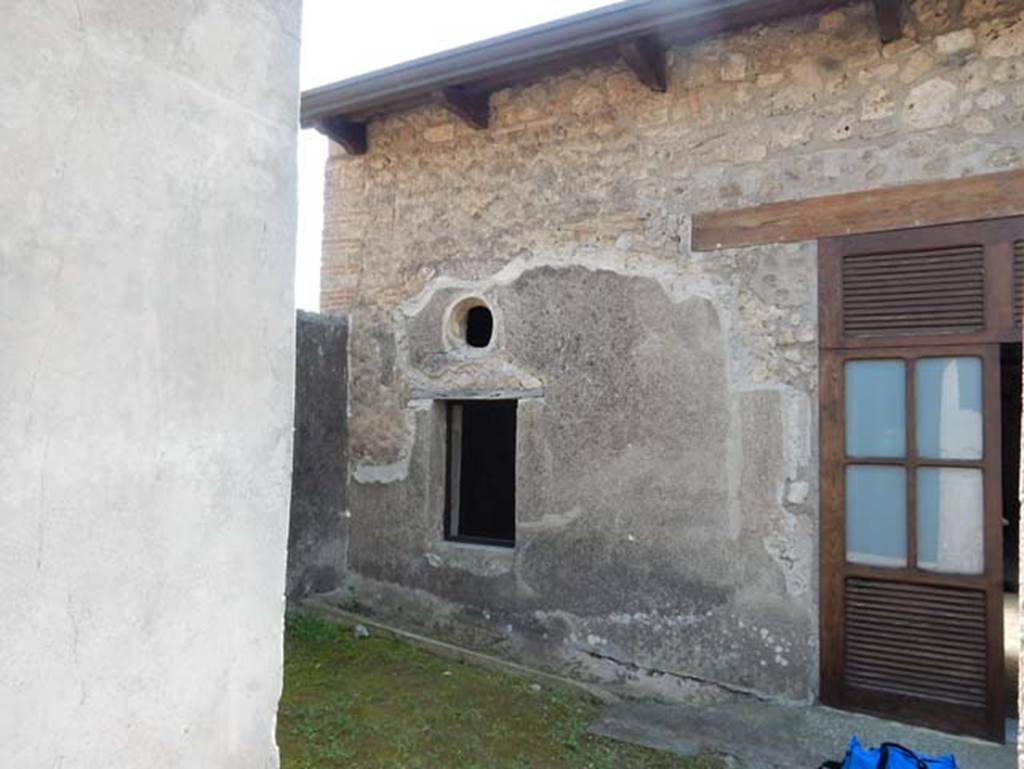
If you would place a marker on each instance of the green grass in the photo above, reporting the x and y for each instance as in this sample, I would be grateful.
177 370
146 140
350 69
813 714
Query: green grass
376 703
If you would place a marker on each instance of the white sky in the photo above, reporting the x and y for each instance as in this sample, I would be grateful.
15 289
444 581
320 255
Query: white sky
342 38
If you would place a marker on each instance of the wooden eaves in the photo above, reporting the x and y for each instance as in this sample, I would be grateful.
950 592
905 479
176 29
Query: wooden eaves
462 79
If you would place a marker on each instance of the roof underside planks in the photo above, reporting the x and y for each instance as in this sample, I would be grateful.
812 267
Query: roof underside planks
462 79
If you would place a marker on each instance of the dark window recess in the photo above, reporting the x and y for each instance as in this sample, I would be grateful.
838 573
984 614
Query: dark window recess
479 326
480 504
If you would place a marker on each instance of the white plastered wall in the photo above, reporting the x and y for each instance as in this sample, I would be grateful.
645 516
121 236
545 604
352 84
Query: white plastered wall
147 217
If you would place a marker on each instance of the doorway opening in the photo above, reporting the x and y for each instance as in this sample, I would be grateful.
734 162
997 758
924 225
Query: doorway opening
1010 380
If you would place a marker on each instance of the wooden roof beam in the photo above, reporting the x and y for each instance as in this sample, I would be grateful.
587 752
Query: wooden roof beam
350 134
889 14
474 108
647 60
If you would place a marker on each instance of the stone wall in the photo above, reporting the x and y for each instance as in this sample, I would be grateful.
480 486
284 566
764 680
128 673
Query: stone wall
147 230
317 536
667 478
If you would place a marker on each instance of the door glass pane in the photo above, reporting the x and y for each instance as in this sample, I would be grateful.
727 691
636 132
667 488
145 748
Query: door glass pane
950 520
876 515
876 408
948 408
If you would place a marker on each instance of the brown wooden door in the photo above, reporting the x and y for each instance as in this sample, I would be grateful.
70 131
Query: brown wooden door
911 492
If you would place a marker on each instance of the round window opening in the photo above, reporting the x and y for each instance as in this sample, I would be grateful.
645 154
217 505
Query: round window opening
470 325
479 326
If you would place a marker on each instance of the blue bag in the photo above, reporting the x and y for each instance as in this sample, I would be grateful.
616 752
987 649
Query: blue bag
889 756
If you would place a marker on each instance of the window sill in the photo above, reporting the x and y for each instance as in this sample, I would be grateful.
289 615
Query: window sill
481 560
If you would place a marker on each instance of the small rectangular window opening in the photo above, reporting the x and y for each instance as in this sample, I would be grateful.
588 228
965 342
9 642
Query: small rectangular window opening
480 499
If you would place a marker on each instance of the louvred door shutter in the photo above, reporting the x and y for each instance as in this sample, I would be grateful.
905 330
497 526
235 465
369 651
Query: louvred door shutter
939 291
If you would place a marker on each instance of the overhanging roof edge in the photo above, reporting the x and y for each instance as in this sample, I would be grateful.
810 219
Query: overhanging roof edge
394 87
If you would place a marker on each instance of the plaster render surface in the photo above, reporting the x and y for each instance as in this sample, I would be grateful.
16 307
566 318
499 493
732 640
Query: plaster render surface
147 222
317 526
667 478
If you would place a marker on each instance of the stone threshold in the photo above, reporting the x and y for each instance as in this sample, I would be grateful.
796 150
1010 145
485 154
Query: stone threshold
765 735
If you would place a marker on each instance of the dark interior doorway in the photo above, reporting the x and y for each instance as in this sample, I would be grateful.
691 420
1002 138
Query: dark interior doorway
1010 357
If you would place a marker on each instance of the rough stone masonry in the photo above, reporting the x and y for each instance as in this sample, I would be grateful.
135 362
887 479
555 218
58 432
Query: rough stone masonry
667 462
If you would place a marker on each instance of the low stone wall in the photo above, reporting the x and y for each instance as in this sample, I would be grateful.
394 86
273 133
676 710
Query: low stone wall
317 534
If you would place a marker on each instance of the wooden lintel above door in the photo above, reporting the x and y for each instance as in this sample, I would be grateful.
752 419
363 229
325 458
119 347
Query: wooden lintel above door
927 204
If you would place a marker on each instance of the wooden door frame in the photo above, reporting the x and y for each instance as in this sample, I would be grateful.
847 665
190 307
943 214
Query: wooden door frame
996 236
835 570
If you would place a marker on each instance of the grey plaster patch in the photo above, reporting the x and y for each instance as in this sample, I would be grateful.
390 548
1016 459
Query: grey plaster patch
640 476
